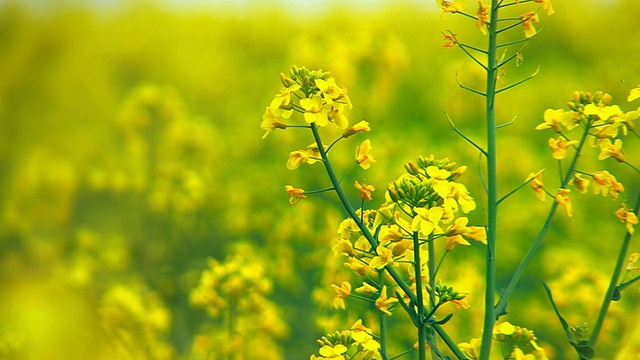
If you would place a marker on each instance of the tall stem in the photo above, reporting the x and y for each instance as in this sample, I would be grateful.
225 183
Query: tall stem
492 196
612 284
422 335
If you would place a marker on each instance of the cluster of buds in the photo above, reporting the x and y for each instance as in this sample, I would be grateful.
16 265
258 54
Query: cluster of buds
338 337
447 293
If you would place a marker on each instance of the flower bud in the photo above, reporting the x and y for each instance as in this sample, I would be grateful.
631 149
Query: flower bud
286 81
393 194
412 168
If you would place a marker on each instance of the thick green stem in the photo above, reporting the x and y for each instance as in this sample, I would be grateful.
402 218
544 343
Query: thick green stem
432 295
612 284
492 195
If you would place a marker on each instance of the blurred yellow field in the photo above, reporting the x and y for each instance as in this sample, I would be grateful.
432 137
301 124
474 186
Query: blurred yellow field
134 178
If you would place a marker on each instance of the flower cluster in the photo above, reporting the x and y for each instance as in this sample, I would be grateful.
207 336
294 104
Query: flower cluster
313 93
345 344
421 206
483 15
516 343
602 125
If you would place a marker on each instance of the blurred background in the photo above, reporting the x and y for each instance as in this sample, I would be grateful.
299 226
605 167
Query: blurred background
132 167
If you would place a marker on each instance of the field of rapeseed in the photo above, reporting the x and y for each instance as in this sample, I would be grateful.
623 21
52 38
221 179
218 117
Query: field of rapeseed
143 215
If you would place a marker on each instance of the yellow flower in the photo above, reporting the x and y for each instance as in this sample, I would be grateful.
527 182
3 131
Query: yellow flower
563 200
314 153
296 158
343 291
362 154
518 354
505 328
634 94
336 116
355 265
627 217
537 185
283 99
330 90
450 41
559 147
274 119
552 120
546 6
607 149
451 6
528 19
365 190
581 184
483 17
295 195
471 349
343 247
314 111
383 303
357 128
605 183
459 232
384 258
366 289
426 220
333 352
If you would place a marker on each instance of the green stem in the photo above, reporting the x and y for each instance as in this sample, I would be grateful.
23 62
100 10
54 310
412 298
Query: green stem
432 294
492 198
422 334
537 242
612 284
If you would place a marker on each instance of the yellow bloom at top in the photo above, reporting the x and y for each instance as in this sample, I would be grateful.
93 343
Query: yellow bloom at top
283 100
330 90
451 6
362 154
546 6
483 17
314 111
